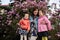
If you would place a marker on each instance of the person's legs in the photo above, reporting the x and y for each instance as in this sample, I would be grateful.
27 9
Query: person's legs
43 38
39 37
46 38
21 37
44 35
25 37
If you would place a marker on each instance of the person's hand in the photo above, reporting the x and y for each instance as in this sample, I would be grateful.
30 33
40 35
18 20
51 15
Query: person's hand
51 29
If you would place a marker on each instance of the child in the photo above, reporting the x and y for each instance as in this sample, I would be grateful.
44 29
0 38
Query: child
43 26
25 26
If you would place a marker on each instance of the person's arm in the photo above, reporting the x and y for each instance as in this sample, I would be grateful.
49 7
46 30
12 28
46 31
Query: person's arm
21 23
31 19
49 26
39 22
28 27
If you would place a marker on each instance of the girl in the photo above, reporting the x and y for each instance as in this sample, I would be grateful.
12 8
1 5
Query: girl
43 25
25 26
33 23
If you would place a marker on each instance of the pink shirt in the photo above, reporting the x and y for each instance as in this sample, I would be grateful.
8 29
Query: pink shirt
44 24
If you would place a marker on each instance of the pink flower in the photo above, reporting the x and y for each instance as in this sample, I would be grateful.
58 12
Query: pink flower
17 15
24 5
29 0
32 4
58 34
42 4
1 17
8 22
49 36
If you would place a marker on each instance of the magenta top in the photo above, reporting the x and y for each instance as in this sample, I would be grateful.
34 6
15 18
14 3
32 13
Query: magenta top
44 24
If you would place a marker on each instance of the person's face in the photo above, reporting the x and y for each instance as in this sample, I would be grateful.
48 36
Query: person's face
26 16
35 12
40 13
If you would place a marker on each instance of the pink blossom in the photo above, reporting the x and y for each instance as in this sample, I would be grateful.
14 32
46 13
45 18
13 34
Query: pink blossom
29 0
42 4
8 22
1 17
58 34
49 36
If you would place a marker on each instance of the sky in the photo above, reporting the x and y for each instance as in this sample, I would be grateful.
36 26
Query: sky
5 2
54 1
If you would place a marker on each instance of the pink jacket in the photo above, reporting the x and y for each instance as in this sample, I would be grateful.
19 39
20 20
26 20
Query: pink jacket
44 24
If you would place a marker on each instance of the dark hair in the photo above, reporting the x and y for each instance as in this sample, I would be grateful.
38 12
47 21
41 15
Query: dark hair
25 13
34 10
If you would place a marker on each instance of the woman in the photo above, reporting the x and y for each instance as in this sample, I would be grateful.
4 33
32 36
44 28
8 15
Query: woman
43 25
33 21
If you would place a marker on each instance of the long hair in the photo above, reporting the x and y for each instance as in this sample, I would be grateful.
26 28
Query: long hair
33 11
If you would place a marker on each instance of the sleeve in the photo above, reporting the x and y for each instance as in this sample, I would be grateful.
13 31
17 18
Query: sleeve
49 26
21 23
28 26
39 22
31 19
